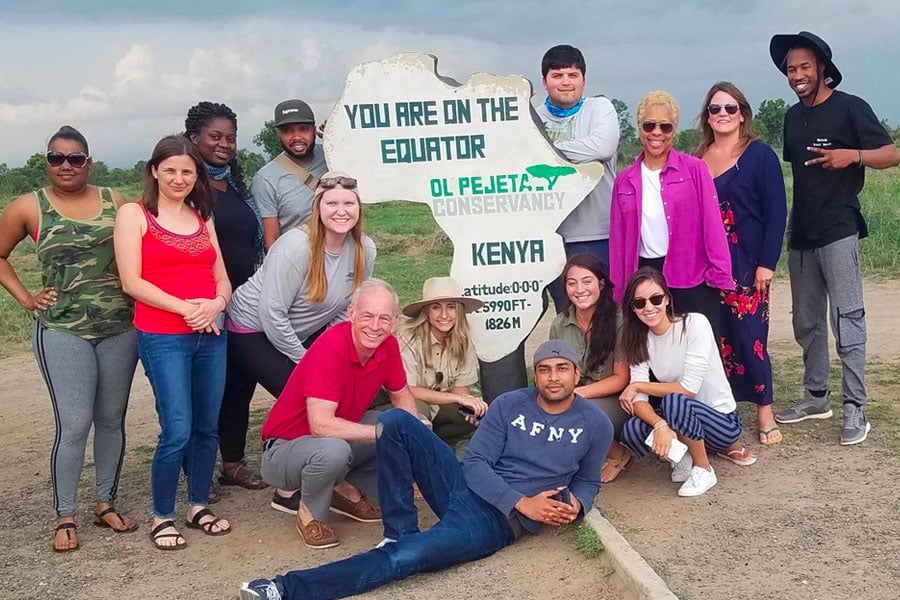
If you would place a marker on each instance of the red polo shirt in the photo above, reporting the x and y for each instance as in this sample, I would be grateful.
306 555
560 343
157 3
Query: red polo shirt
331 370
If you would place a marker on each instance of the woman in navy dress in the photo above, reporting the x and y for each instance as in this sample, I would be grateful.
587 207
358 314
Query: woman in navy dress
750 186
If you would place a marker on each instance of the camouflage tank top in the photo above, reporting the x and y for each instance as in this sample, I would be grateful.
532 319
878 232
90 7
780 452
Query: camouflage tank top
78 261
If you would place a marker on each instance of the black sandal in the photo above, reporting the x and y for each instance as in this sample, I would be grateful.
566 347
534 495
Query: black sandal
99 521
207 527
155 536
66 527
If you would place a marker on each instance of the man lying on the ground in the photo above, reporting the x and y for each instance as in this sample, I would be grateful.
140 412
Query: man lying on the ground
535 459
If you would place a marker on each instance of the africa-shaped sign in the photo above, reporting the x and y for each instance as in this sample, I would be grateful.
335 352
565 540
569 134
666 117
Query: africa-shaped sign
476 154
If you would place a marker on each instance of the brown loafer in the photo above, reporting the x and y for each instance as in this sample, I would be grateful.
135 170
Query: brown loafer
362 510
317 534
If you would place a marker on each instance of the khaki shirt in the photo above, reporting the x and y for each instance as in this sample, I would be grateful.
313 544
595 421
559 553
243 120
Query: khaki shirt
452 374
565 328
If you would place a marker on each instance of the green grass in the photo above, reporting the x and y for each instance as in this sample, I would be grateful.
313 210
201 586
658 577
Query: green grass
587 541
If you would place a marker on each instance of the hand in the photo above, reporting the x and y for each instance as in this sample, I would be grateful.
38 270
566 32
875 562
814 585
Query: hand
478 405
763 281
662 441
626 398
43 300
203 316
543 509
833 160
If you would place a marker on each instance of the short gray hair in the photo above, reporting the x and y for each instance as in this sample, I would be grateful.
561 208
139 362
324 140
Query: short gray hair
373 283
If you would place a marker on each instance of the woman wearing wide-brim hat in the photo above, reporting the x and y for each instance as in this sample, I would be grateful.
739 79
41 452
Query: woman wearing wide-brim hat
439 357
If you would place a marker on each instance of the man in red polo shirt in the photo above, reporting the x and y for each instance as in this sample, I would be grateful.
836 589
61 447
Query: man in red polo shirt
319 433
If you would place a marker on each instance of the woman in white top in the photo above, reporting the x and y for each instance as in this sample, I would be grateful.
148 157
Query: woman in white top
696 406
439 358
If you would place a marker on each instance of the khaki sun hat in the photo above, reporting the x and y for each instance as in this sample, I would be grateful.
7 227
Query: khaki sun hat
436 289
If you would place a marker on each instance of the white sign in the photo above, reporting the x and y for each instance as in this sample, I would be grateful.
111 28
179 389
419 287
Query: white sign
477 156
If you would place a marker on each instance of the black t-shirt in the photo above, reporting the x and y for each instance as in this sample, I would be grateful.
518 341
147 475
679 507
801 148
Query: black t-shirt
826 206
236 229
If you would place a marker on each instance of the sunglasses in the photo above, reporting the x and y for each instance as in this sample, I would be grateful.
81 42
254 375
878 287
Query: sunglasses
664 126
715 109
640 303
348 183
76 159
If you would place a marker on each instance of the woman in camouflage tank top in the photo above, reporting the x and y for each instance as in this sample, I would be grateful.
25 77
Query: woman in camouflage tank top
82 335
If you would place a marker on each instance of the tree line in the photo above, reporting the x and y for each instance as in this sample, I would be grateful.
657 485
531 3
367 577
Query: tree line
768 120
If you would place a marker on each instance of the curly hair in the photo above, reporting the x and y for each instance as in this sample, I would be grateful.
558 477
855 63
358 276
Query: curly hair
200 116
657 98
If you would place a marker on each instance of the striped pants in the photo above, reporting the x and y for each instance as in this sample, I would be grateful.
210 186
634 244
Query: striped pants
692 419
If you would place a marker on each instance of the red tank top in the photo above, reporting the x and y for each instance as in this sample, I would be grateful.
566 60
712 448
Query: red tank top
181 265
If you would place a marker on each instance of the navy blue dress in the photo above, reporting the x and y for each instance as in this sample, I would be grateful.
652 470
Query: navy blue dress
754 210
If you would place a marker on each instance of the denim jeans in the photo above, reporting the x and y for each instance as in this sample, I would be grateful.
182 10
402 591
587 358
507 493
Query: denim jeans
469 528
557 287
187 373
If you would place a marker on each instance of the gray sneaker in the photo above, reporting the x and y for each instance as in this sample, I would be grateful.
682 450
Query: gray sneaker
809 407
856 425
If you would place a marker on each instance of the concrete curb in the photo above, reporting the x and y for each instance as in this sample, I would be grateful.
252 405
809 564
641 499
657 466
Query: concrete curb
642 581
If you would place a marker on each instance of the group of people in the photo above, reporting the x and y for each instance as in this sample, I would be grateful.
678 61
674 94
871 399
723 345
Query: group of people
662 324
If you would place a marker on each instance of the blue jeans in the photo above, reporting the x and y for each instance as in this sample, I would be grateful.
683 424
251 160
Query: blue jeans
187 373
469 528
557 288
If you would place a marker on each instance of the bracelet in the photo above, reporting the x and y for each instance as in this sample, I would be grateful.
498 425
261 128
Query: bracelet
222 297
660 424
861 164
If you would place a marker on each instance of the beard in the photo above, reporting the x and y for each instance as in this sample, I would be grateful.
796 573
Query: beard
300 155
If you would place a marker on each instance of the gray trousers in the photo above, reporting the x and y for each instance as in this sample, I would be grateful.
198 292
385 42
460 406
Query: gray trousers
826 283
89 382
314 465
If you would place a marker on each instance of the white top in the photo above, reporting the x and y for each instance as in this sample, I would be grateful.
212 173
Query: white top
654 230
591 134
688 354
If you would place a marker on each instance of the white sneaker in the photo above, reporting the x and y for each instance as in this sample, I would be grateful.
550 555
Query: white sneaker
681 471
699 482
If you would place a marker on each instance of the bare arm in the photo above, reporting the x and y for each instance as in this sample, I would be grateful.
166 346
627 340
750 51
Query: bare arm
403 399
879 158
17 221
609 386
271 230
458 395
324 423
207 309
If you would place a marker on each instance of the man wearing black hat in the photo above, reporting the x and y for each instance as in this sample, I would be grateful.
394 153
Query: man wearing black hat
535 459
284 188
829 139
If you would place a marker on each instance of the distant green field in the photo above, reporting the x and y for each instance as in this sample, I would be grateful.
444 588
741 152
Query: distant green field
412 248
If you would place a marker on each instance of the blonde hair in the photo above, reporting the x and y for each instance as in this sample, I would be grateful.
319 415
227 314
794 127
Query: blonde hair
416 333
315 278
657 98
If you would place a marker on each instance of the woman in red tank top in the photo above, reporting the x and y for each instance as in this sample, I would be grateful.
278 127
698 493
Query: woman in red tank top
169 261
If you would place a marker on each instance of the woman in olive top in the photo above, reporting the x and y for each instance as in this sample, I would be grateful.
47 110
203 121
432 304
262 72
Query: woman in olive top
82 334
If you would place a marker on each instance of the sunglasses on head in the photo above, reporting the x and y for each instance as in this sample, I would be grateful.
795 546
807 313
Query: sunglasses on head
640 303
715 109
76 159
664 126
347 183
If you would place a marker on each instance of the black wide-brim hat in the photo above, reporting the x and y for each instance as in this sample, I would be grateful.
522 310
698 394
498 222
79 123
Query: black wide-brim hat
782 43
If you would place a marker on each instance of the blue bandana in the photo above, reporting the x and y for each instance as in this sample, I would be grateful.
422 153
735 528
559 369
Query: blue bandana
218 173
224 172
563 112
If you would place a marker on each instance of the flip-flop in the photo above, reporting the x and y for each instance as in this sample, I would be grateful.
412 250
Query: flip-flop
66 526
742 457
99 521
770 437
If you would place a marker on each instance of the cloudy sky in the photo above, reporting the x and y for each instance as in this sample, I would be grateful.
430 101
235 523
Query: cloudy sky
125 71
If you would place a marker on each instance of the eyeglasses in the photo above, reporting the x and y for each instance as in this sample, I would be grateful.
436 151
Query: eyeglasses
76 159
715 109
347 183
640 303
438 379
664 126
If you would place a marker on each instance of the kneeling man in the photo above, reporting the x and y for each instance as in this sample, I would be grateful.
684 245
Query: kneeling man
535 459
319 431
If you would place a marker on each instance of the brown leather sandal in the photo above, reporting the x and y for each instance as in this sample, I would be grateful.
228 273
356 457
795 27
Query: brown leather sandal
100 521
615 466
242 475
69 528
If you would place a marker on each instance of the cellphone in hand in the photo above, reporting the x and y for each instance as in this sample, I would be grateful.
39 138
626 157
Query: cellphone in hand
469 414
563 495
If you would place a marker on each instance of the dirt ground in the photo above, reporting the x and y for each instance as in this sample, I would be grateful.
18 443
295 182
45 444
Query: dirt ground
811 520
